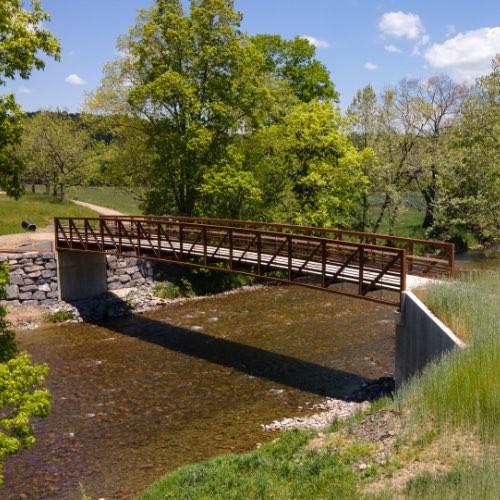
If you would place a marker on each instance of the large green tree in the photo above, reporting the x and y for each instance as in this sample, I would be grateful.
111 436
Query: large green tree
470 198
200 89
23 39
60 149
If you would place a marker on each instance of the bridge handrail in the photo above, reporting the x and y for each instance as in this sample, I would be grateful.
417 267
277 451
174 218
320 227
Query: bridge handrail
373 267
113 218
447 249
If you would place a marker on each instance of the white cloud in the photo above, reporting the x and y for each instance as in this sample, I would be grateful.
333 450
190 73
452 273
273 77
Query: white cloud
401 25
320 44
467 55
24 90
75 80
371 66
392 48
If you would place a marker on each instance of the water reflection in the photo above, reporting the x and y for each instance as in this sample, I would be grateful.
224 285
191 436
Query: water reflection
136 397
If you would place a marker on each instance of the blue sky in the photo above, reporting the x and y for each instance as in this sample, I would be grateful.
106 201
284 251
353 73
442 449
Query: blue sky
360 41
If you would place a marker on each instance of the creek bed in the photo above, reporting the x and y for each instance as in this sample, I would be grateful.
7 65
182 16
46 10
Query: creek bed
136 397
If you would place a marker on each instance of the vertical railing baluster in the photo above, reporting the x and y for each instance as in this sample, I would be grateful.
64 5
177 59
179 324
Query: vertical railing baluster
402 283
231 253
158 237
361 269
290 255
181 241
323 264
101 228
259 250
204 232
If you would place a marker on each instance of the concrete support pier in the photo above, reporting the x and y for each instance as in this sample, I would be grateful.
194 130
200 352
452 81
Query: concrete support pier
420 338
81 275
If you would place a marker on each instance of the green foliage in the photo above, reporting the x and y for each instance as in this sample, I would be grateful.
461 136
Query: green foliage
167 291
8 343
59 317
292 61
21 394
59 150
310 167
201 281
23 37
205 281
282 469
40 209
200 117
470 202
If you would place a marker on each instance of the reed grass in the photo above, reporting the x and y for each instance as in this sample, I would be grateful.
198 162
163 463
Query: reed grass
461 391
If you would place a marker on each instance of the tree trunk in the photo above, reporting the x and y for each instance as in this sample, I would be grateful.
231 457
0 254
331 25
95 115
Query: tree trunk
383 208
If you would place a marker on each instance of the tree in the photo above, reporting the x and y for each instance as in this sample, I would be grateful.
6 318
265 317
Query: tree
409 131
21 394
364 114
22 38
292 61
470 199
59 149
310 172
200 89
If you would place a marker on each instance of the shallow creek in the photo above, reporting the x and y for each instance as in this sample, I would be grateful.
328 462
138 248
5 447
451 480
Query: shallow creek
133 398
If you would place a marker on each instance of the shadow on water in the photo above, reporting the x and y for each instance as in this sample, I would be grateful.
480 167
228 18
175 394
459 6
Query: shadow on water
247 359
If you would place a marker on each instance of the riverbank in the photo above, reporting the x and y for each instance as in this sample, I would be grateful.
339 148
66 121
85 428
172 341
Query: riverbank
440 438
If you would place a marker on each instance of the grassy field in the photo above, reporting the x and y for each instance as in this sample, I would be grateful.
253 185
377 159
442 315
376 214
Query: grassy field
109 197
445 427
37 208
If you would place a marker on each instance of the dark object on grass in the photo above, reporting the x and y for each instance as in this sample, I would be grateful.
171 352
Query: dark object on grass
28 225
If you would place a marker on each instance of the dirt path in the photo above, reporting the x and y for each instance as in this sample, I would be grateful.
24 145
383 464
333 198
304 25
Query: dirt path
42 238
97 208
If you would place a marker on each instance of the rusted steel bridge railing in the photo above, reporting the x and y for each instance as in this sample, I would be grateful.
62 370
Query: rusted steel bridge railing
309 260
423 257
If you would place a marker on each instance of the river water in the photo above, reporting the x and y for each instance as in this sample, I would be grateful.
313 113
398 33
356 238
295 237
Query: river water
136 397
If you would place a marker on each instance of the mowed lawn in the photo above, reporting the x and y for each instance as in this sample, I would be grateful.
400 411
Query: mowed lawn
38 209
104 196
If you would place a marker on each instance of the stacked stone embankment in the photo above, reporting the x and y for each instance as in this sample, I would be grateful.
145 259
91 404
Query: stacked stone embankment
33 276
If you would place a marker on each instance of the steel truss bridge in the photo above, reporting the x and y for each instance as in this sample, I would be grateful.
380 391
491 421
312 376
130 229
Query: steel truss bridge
366 265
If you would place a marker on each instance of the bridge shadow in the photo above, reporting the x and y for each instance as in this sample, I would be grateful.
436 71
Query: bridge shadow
250 360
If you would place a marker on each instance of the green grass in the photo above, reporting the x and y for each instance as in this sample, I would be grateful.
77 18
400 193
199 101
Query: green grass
59 317
409 221
482 480
110 197
283 469
37 208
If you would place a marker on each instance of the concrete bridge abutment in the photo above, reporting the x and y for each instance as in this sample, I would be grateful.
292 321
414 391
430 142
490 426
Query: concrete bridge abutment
81 275
421 337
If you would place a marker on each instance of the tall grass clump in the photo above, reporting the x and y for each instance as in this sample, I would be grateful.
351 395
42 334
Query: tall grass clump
481 480
282 469
461 391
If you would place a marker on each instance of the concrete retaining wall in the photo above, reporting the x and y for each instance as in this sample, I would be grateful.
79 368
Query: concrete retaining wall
420 338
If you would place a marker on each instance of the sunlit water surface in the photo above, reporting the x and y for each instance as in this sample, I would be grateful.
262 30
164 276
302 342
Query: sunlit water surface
136 397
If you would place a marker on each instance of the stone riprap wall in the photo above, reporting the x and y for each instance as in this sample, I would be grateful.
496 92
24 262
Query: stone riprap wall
33 276
128 272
